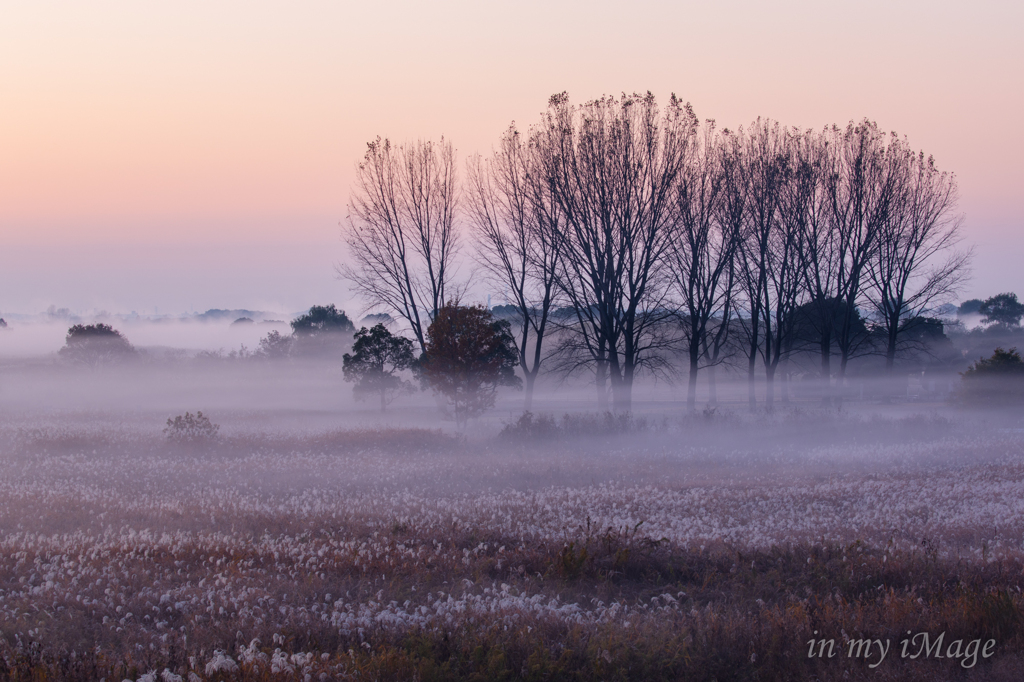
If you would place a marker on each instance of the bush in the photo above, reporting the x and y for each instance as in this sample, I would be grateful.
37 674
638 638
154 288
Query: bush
530 427
189 428
274 346
997 380
573 426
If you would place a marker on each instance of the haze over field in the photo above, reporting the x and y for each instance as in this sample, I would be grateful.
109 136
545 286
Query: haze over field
546 341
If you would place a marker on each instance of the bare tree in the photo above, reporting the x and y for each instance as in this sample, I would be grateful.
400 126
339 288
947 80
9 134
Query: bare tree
701 254
916 264
862 188
768 264
732 211
806 204
402 235
517 229
613 164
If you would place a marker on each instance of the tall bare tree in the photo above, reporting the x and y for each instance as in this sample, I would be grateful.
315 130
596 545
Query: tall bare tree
806 204
768 266
916 263
862 187
517 228
613 164
402 235
702 251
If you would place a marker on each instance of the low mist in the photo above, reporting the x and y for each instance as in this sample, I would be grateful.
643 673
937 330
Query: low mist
208 499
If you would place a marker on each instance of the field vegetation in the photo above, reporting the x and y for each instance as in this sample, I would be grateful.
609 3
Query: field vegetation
713 547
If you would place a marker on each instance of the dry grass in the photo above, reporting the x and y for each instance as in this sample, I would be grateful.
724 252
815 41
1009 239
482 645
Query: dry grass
400 555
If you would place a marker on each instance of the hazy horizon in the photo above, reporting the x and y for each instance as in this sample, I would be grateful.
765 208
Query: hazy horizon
192 157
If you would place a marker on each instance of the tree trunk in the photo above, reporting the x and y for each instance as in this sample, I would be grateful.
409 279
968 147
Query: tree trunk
528 398
751 368
769 387
890 352
691 389
622 388
784 381
712 386
601 380
825 378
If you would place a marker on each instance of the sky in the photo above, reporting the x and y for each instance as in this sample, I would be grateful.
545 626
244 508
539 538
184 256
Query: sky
190 155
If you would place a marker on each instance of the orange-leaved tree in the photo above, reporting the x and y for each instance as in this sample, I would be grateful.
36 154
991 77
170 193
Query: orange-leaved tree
467 356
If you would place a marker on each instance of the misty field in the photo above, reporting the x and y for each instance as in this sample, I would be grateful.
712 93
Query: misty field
703 548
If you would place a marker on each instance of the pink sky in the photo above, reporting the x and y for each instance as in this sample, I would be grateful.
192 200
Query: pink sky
189 154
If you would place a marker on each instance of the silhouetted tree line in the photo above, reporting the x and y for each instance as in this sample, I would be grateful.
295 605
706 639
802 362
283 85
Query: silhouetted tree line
624 234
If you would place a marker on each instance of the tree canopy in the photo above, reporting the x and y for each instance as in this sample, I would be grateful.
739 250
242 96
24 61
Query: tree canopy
376 356
996 380
1002 309
324 330
468 355
95 344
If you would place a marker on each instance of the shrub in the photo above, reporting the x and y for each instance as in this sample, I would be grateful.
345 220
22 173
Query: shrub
572 426
189 428
995 380
274 346
530 427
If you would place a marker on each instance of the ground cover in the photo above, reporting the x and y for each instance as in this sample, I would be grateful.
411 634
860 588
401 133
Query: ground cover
702 549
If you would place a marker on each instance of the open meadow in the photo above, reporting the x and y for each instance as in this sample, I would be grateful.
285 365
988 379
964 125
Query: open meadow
583 548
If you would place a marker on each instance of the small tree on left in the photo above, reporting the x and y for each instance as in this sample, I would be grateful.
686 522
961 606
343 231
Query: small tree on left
95 344
376 356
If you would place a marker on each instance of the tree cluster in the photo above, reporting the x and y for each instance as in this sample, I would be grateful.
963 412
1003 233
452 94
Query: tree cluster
321 333
624 233
995 381
95 345
467 355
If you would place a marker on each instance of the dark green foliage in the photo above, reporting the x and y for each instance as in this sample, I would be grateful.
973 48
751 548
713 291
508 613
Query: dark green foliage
825 317
468 355
378 318
189 428
274 346
969 306
530 427
503 311
322 318
95 344
376 356
573 426
1002 363
997 380
323 331
1003 309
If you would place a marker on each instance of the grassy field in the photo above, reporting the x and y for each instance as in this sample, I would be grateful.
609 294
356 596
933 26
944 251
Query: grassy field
589 549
